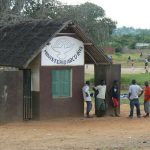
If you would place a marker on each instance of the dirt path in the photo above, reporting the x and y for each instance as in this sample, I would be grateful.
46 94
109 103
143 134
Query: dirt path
107 133
90 69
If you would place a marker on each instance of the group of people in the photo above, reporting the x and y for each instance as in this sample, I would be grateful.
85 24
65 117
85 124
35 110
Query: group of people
99 96
132 61
135 91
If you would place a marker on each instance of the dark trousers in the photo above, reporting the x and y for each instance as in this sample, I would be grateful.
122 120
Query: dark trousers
135 102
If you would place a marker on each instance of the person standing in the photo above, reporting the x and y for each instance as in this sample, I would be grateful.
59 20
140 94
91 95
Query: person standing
129 59
135 91
100 104
141 54
115 97
87 98
132 64
147 99
146 65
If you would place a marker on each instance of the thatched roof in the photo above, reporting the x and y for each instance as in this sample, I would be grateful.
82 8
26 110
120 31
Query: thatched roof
21 43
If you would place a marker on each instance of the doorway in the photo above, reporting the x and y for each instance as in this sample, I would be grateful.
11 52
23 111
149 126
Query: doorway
27 99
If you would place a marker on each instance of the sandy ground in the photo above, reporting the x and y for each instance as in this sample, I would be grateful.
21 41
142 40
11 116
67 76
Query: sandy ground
106 133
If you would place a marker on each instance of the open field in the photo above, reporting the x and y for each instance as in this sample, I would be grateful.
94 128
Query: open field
89 69
107 133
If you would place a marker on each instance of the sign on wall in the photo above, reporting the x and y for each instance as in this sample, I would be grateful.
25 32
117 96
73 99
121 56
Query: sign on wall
63 50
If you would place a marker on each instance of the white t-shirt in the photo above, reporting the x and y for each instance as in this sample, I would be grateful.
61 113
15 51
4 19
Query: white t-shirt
85 90
101 91
146 61
135 91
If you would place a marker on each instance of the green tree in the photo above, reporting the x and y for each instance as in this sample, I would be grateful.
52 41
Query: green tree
43 9
11 10
92 19
89 16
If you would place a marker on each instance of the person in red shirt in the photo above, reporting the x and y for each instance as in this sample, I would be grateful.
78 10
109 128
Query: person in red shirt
147 99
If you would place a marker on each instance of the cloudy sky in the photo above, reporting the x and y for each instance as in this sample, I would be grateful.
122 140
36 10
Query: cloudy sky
130 13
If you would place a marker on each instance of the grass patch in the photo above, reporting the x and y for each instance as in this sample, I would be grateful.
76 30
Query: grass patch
126 78
89 77
121 58
140 78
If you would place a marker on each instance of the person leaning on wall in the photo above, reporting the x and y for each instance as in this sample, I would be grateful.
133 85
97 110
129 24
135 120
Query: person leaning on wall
87 98
115 97
100 103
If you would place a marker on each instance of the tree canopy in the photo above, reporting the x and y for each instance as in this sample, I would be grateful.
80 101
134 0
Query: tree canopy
128 37
89 16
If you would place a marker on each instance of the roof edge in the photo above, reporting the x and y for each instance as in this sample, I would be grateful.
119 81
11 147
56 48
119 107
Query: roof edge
42 46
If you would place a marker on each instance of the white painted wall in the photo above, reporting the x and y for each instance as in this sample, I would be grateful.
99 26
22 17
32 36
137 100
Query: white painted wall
35 74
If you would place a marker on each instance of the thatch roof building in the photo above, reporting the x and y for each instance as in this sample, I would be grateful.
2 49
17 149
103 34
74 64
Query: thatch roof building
46 60
21 43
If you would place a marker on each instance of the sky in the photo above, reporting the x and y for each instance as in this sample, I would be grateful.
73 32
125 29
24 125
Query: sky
129 13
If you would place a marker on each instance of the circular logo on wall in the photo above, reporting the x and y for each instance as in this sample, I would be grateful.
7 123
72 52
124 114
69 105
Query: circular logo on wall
63 50
62 46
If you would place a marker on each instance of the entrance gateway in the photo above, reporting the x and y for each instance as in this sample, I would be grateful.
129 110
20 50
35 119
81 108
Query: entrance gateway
47 63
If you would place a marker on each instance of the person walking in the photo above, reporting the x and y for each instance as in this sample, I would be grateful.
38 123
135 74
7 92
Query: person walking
147 99
146 65
135 91
87 98
115 97
100 104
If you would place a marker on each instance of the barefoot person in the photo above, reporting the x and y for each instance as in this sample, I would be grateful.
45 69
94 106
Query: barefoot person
87 98
147 99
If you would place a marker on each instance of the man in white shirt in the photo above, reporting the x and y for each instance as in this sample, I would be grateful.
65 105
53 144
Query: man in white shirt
87 98
135 91
100 105
146 65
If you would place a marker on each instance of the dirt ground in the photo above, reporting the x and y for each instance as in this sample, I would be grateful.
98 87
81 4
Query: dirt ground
106 133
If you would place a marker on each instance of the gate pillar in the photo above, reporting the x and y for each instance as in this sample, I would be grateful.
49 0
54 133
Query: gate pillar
109 73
